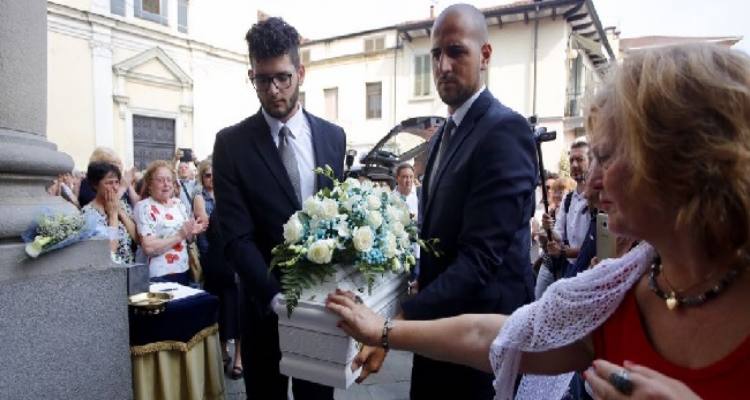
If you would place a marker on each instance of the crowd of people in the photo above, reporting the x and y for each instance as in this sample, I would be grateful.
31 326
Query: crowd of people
526 301
153 217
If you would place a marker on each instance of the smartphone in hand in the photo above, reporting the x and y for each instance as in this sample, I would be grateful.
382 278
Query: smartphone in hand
605 239
187 155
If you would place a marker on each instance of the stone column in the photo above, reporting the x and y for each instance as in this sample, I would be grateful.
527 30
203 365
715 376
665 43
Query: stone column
27 160
63 316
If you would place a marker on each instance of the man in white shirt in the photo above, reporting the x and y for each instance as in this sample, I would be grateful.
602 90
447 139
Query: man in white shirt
405 187
572 222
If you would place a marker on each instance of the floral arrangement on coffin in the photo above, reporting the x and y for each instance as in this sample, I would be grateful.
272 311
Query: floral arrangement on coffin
50 231
355 223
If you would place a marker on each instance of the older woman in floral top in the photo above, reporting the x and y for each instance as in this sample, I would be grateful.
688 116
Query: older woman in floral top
113 215
165 226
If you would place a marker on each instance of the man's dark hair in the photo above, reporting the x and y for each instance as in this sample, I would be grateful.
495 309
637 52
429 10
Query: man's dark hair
551 175
272 38
579 144
98 170
402 167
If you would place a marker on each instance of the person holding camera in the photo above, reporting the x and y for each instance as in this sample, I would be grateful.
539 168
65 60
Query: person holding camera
185 161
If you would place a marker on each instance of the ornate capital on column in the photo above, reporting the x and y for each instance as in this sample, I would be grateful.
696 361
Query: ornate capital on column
100 49
122 103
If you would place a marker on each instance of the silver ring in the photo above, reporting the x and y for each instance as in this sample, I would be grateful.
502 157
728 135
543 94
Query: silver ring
621 381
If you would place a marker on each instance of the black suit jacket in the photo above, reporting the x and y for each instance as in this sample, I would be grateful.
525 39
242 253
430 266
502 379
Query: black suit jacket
479 208
255 197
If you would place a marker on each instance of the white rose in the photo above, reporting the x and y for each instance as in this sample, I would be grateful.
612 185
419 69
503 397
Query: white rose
396 227
395 199
405 216
351 183
311 207
350 202
293 230
328 209
391 246
363 238
404 241
321 251
378 191
392 213
373 202
343 229
367 185
374 219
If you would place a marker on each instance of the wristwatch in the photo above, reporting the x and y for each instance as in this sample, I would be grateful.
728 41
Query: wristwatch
387 326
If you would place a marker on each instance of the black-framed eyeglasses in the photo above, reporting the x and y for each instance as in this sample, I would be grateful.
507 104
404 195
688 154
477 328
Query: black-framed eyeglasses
208 175
262 83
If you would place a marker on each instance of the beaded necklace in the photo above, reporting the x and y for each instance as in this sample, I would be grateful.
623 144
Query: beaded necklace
673 301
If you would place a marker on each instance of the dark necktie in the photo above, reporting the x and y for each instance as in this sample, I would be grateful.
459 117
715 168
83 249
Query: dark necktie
286 151
445 141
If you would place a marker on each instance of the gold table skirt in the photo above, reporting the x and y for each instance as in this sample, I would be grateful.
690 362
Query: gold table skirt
180 371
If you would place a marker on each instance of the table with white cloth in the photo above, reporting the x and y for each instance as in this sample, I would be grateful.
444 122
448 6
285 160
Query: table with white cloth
176 354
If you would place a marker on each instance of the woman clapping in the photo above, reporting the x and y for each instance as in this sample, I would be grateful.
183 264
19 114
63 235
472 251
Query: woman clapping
113 215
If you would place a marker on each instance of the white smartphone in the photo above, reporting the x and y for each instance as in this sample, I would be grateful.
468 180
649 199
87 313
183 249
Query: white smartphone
605 240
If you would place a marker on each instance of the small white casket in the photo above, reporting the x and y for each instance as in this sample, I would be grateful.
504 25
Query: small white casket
313 348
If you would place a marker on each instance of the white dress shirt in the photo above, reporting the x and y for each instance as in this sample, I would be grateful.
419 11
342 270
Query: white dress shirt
413 203
301 141
577 220
460 113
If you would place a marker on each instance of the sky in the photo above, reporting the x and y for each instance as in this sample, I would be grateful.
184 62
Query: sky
317 19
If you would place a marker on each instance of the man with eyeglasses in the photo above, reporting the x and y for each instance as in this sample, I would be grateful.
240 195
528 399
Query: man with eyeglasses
263 172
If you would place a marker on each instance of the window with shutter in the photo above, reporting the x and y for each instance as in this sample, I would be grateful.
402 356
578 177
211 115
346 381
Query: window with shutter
374 44
374 100
331 103
422 83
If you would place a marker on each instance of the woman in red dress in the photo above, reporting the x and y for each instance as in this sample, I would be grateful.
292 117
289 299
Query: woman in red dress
670 134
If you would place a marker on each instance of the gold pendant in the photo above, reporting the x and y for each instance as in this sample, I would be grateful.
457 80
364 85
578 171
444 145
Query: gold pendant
672 302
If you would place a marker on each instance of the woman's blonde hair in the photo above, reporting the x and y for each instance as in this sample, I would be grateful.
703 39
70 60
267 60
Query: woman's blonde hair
148 176
681 118
565 183
104 154
202 167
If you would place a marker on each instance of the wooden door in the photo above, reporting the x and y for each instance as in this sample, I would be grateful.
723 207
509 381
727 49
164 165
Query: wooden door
153 139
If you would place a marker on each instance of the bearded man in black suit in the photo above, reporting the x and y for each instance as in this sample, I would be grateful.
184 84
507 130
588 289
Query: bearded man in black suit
478 198
263 170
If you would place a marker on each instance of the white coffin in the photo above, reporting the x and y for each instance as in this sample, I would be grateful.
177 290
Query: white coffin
312 347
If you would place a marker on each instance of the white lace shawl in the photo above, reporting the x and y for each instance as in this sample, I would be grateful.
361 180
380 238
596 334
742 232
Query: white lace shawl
568 311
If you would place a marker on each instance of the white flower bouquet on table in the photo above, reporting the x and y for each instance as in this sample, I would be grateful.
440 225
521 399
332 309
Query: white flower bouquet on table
50 231
357 224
